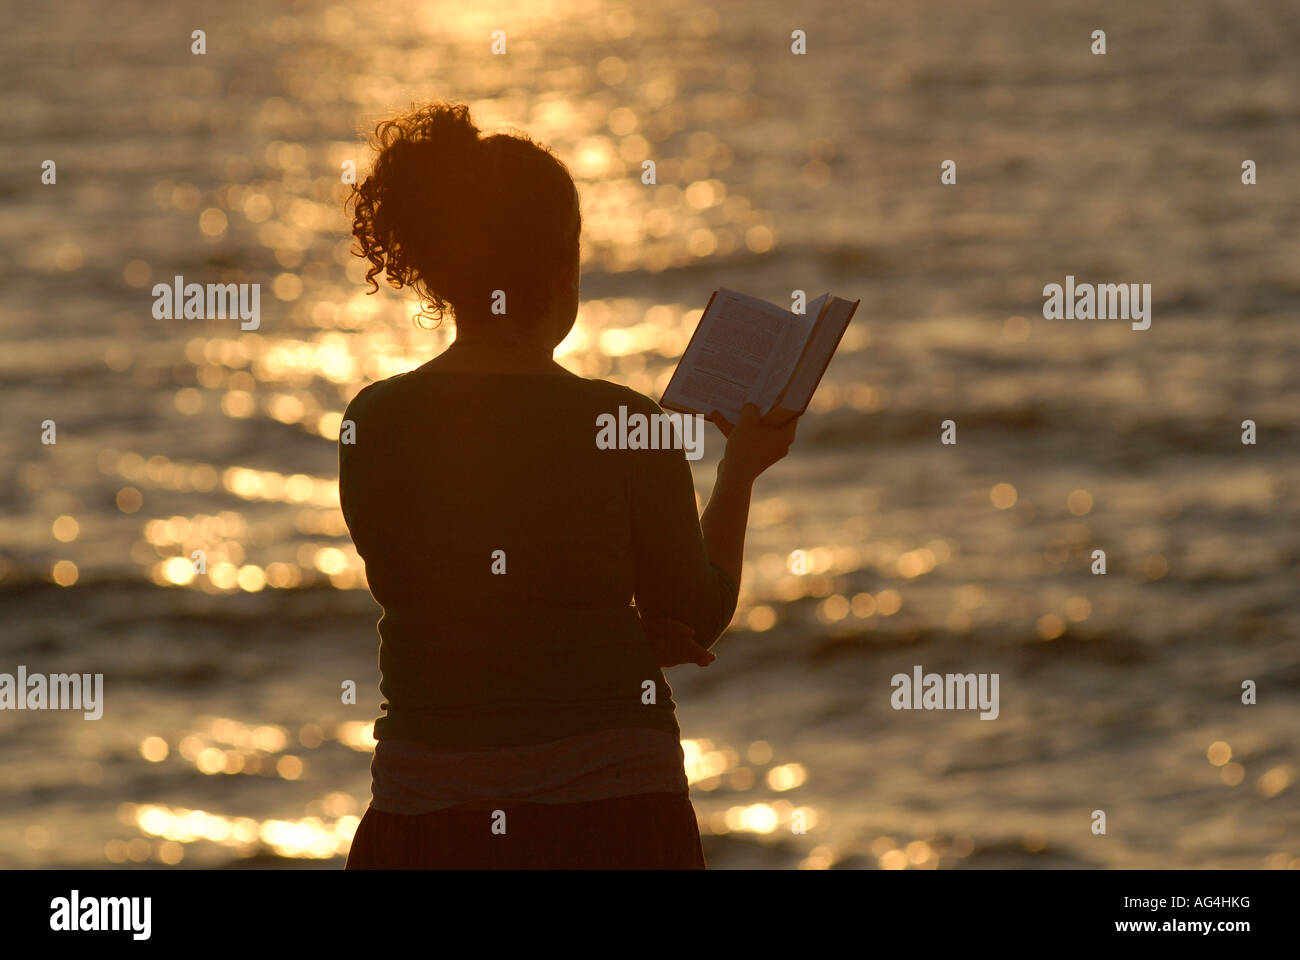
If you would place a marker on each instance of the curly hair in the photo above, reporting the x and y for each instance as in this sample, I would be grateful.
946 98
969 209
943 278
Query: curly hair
456 216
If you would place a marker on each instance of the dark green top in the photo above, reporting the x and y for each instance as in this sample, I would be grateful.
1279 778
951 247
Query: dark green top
448 468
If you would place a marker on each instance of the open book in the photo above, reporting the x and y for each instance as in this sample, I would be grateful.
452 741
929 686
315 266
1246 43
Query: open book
746 350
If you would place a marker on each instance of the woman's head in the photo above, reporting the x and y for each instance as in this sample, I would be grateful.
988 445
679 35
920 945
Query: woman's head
458 217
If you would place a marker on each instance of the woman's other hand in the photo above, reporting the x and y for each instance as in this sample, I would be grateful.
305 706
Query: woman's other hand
674 642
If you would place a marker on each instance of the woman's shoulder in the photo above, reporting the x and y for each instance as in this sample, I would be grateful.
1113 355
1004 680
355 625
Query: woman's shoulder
373 396
633 399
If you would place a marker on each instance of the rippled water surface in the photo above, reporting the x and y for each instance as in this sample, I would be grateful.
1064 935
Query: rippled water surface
872 549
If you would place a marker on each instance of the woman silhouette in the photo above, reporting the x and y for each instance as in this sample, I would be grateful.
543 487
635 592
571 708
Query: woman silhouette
527 720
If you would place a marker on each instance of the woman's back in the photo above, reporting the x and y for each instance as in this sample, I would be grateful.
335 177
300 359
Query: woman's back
506 548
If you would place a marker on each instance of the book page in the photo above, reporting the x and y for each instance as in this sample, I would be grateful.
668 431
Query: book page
724 366
787 354
825 338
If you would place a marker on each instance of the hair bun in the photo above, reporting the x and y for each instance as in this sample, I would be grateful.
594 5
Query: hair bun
440 139
461 215
448 125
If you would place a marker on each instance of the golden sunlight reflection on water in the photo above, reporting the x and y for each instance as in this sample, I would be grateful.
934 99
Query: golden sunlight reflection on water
224 746
310 837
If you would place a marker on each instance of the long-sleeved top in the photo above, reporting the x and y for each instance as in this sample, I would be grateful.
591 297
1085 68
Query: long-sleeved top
506 549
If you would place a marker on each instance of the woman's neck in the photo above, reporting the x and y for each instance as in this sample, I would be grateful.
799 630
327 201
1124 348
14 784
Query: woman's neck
469 355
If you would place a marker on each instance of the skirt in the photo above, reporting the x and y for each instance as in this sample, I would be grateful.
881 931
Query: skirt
648 831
